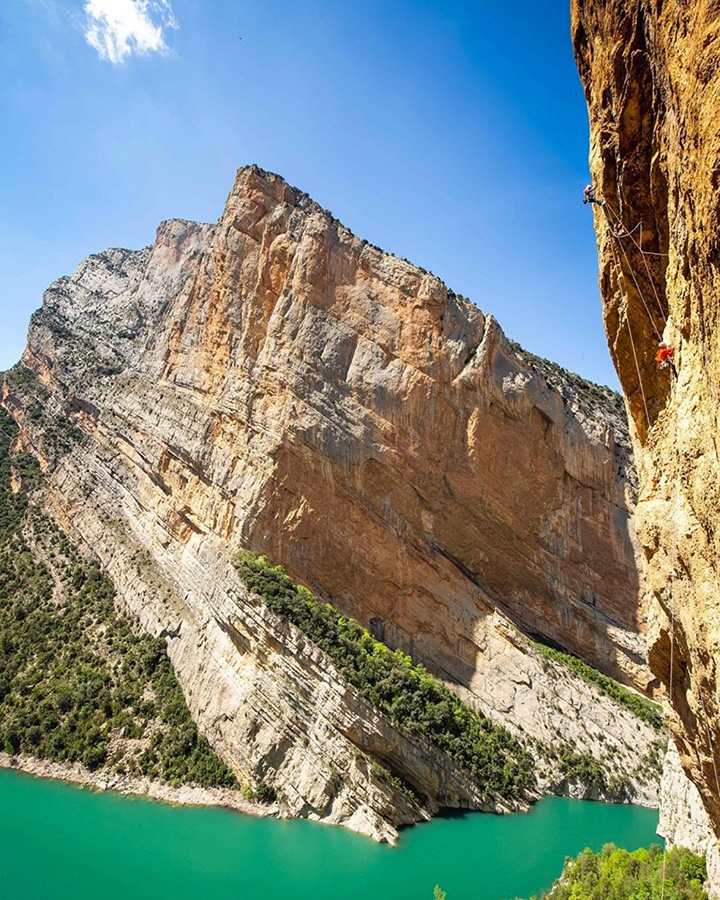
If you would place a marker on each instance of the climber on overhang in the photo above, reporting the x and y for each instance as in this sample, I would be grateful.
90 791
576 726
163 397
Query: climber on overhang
589 196
664 357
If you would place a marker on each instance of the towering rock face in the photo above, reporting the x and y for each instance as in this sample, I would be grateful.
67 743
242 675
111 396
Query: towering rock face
651 71
274 382
290 388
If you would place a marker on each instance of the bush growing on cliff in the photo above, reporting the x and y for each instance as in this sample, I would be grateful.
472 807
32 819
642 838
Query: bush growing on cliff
51 429
264 793
597 401
640 706
615 874
390 680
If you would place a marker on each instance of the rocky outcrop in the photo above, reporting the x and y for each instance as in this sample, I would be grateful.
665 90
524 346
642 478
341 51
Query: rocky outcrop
276 383
651 72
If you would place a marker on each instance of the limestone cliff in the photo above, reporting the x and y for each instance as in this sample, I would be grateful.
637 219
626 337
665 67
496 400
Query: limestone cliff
651 72
274 382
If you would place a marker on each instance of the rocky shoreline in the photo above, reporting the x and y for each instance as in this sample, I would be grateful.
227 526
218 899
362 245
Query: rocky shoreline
187 795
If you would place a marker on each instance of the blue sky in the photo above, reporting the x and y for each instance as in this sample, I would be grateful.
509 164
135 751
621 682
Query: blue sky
451 133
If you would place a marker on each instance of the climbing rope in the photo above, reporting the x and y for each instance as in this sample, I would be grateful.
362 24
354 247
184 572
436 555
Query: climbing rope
640 293
618 233
630 232
643 253
624 232
621 278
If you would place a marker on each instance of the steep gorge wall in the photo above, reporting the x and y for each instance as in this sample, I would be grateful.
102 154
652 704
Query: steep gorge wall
275 382
651 71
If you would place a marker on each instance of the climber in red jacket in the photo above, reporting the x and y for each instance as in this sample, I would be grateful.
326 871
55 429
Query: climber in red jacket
664 357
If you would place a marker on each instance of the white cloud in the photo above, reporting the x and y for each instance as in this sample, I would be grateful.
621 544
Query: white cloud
119 28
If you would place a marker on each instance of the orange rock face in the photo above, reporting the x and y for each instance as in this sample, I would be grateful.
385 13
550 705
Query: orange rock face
651 72
404 461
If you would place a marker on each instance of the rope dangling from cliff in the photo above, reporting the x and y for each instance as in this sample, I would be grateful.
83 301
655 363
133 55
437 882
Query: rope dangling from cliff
643 253
621 278
616 237
630 232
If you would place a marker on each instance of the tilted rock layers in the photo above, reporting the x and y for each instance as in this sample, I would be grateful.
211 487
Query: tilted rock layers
651 71
274 382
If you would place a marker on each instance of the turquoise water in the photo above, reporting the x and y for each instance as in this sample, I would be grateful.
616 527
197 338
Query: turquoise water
58 841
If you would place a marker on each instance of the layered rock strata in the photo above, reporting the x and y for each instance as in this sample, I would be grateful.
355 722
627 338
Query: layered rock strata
651 72
274 382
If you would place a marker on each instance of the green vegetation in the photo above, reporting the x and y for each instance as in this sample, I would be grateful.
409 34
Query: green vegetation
439 893
557 376
640 706
581 766
23 381
617 874
77 683
384 774
54 431
12 506
414 701
264 793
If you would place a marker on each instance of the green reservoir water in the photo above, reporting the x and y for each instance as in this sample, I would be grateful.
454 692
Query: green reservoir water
57 841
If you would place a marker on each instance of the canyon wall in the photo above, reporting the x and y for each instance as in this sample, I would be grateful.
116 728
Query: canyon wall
274 382
651 71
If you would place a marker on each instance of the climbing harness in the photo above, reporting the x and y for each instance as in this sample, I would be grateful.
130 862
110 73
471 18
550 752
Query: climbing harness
589 196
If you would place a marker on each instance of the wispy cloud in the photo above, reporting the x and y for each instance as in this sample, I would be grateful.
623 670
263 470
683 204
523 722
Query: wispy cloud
119 28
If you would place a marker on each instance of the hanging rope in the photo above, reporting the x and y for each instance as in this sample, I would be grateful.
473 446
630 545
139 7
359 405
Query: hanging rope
640 293
624 231
621 278
630 232
643 253
637 369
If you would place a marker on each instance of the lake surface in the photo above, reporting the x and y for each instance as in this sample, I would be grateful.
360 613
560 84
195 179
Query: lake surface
58 841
